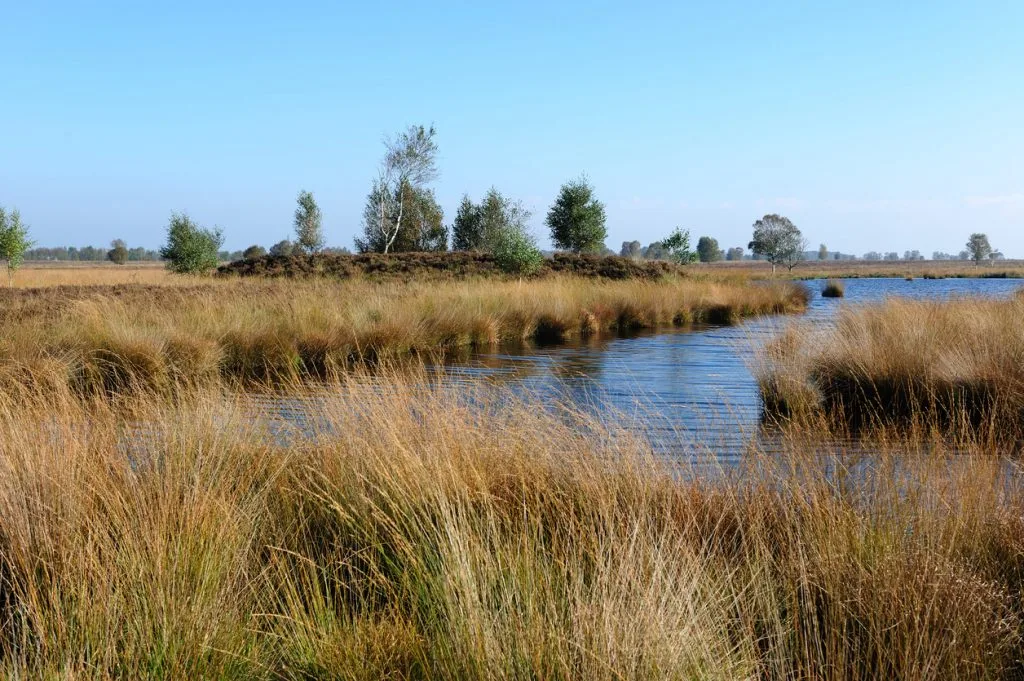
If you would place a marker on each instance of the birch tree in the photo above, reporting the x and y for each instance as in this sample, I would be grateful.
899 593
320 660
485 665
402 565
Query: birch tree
409 164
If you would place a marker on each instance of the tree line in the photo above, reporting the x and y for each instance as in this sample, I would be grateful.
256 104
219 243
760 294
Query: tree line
401 213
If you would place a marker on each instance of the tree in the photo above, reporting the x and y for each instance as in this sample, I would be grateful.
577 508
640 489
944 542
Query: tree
576 219
466 232
655 251
892 255
14 241
872 255
995 255
912 255
978 247
118 253
309 235
734 253
254 252
190 249
678 246
409 164
282 249
708 250
823 252
631 249
778 241
516 252
422 224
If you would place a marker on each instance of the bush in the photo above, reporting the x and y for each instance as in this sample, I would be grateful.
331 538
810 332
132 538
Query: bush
190 249
833 289
253 252
516 253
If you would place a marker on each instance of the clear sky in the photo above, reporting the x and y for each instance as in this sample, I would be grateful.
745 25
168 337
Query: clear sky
872 125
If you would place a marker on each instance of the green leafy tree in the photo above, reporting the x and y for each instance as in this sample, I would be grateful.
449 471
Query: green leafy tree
734 253
14 241
778 241
577 219
978 247
822 252
282 249
254 252
677 245
708 250
467 234
410 162
118 253
421 221
309 235
515 251
190 249
632 250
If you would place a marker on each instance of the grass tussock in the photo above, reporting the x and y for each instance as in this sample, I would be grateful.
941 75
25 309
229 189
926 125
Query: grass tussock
833 288
413 533
115 339
951 364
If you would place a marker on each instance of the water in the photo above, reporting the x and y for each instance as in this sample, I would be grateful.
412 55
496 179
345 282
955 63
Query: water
691 392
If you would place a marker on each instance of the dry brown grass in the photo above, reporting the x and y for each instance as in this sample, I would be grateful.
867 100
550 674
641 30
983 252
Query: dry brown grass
415 533
35 275
955 364
112 339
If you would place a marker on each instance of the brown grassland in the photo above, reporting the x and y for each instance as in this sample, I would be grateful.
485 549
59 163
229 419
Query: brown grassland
954 364
415 533
161 522
112 339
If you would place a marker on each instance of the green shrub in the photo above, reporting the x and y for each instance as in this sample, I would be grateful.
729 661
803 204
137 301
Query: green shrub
516 253
190 249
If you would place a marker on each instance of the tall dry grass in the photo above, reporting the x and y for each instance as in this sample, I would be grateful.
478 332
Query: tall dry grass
409 532
112 339
954 364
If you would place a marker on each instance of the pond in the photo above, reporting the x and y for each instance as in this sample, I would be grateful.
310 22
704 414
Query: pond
690 392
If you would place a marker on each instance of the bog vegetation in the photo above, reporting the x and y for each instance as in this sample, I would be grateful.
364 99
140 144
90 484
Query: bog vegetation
103 341
953 364
409 532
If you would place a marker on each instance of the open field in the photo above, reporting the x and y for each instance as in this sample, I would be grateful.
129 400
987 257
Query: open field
40 274
955 364
424 535
852 269
117 338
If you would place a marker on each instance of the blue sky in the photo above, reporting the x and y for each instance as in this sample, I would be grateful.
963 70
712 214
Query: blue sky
872 125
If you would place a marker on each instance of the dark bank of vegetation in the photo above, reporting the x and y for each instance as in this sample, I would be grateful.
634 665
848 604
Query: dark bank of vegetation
440 265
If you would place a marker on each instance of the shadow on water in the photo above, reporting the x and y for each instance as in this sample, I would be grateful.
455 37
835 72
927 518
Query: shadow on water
689 392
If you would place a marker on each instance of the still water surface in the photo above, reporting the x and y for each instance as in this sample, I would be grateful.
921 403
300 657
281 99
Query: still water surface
691 392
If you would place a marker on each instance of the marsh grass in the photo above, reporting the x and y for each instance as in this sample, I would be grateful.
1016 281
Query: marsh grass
953 365
411 532
833 288
110 340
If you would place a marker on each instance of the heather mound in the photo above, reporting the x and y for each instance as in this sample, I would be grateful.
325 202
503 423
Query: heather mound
447 265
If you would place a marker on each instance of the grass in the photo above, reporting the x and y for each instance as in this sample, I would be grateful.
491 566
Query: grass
37 274
833 288
955 364
116 339
415 533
